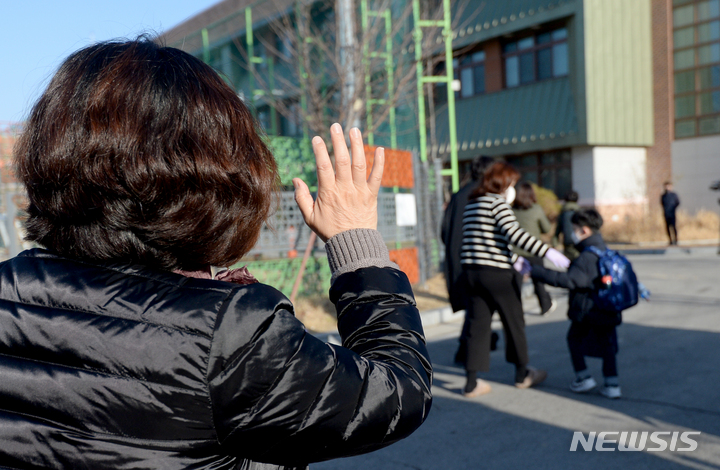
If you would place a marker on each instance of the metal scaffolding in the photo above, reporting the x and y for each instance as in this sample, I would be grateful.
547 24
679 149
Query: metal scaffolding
422 79
387 56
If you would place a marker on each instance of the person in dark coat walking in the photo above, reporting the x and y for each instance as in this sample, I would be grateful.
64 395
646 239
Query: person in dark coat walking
670 202
451 236
564 225
125 342
592 330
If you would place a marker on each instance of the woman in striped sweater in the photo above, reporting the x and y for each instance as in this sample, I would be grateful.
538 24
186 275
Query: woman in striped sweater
490 229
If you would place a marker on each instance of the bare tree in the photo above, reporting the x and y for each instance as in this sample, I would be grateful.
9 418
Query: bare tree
321 69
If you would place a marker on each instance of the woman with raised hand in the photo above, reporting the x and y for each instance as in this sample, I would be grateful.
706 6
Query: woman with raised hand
490 229
123 342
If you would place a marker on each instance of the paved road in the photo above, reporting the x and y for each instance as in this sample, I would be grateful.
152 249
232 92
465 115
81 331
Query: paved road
669 367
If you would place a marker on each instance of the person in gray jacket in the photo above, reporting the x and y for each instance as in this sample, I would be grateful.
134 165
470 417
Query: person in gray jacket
124 343
533 220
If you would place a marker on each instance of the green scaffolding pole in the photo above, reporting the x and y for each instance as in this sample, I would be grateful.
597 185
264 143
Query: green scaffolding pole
250 43
366 13
206 45
302 75
252 60
422 79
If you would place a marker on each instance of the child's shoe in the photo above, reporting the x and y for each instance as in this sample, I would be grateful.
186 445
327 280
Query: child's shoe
611 391
583 385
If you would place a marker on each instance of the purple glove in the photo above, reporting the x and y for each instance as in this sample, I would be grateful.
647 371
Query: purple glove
522 266
557 258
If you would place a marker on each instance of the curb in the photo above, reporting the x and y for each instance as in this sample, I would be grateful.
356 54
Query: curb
432 317
440 315
676 250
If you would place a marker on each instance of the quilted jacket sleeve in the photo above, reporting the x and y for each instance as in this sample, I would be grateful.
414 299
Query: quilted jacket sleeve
279 395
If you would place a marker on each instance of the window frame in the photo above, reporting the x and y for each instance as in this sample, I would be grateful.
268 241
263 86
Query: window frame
534 50
470 65
696 69
539 166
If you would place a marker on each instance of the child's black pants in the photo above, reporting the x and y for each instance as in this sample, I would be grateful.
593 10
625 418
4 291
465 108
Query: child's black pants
587 339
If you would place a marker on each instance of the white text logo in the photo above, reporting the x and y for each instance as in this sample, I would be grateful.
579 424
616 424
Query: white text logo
634 441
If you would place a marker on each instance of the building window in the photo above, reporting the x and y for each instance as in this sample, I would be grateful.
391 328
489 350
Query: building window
696 59
470 70
263 117
536 58
551 170
290 125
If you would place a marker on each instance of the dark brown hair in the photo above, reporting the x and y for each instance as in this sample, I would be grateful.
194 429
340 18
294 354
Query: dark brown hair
525 196
497 178
142 153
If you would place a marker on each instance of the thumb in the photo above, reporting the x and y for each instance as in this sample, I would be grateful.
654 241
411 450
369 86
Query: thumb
303 198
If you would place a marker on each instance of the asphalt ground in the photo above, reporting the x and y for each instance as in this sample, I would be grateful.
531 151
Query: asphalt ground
669 372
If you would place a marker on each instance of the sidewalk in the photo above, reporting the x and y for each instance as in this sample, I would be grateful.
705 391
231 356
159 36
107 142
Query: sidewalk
668 371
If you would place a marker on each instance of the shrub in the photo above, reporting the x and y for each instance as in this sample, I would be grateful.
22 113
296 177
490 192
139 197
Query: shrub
651 228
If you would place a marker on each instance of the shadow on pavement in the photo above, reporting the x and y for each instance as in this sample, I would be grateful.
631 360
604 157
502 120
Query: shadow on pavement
670 380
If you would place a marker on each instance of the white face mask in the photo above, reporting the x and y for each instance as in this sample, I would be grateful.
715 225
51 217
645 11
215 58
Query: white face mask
509 194
575 238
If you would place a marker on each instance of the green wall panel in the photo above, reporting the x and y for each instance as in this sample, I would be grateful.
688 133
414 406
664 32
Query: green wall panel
618 72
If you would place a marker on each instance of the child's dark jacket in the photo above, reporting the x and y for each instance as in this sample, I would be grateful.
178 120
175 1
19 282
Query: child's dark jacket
582 278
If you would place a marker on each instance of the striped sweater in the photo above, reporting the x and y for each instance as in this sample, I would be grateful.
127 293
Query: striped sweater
490 229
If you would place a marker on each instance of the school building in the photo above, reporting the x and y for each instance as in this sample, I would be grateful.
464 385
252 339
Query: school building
607 97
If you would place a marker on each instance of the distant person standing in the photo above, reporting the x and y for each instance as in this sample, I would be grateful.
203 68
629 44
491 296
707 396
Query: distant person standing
670 202
451 235
533 220
564 226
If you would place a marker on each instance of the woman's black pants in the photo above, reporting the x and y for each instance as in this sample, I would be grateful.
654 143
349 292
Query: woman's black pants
494 289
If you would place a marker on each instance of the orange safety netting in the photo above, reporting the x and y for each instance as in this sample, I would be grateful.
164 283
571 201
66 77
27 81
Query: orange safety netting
398 167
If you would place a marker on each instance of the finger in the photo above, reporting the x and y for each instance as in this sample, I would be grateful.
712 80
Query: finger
377 170
325 173
359 165
342 156
303 199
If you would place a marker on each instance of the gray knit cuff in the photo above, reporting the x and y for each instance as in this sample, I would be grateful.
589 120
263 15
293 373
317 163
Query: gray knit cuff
354 249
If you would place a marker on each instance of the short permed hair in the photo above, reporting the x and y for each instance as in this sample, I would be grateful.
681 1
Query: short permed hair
142 153
587 217
497 178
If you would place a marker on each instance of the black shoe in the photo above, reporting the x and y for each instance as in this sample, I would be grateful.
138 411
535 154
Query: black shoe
550 309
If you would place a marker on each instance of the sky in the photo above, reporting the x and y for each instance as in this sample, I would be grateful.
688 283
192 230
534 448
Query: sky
36 35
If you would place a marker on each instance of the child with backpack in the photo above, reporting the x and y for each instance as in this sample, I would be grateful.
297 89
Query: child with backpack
601 284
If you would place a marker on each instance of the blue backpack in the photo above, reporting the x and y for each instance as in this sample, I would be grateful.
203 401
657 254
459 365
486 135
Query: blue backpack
619 285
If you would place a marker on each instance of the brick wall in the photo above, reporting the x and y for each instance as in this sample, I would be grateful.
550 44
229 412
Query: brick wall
659 156
493 66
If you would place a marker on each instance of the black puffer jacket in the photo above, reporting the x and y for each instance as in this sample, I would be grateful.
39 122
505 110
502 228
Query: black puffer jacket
582 278
121 367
